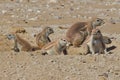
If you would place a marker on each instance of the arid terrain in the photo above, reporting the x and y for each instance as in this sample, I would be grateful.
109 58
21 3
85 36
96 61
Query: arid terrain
33 16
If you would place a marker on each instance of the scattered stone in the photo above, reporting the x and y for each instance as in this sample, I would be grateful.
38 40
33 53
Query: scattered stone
4 11
116 73
52 1
112 21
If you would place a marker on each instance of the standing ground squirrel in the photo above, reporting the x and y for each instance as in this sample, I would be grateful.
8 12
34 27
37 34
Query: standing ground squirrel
42 38
96 43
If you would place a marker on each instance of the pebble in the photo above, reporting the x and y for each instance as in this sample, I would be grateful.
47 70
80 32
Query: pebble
52 1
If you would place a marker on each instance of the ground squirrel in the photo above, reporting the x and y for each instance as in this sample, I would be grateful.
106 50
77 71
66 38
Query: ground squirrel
56 47
25 45
96 43
42 38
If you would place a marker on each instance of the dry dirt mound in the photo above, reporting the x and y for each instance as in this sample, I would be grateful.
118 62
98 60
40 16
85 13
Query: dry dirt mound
5 44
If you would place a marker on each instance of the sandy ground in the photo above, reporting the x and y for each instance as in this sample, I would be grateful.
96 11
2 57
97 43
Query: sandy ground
33 15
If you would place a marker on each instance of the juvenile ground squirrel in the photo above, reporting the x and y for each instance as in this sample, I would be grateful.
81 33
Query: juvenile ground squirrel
42 38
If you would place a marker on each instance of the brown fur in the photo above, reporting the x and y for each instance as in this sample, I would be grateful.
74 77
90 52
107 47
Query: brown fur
73 34
55 47
42 38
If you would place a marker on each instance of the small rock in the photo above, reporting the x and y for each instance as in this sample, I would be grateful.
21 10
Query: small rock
53 61
67 78
116 73
112 21
71 9
53 1
4 11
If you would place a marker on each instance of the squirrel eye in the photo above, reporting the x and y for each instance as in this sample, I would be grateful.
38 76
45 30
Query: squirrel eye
64 40
98 20
98 31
